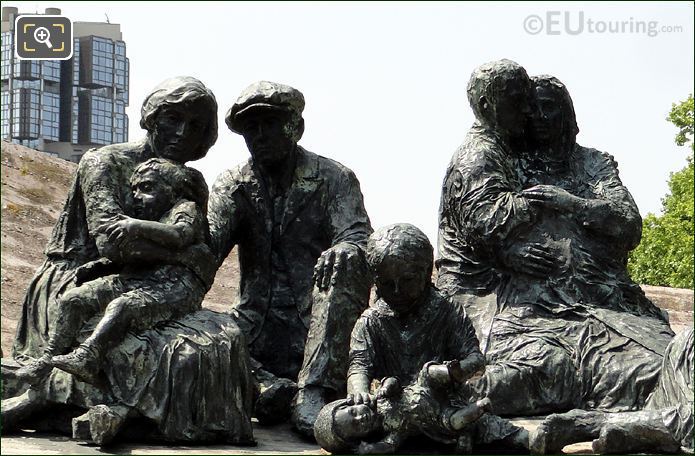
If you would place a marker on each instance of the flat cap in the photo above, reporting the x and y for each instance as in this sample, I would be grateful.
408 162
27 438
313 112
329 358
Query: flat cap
264 95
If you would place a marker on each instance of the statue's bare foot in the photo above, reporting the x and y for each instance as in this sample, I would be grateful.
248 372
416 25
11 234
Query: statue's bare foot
560 429
105 422
19 408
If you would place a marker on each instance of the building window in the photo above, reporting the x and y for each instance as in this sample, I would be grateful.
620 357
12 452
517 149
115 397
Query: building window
6 54
101 120
75 117
50 70
5 124
50 116
102 62
25 113
82 101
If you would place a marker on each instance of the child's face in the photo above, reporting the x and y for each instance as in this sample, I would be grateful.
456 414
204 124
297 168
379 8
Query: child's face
354 421
401 283
153 197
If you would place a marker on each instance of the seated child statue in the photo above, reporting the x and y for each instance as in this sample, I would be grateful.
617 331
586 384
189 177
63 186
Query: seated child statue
170 200
424 348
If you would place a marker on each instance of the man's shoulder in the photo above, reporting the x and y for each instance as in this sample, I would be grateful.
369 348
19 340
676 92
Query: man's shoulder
233 177
479 146
324 166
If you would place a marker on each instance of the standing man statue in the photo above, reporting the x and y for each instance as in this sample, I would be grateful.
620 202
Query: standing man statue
301 227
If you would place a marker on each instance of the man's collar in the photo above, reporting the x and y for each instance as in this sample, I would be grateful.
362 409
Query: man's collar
306 166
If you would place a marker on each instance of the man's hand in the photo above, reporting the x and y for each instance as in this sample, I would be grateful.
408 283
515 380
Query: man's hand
553 197
332 262
362 398
533 259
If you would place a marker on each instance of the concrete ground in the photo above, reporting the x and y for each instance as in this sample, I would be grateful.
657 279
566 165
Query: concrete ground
274 440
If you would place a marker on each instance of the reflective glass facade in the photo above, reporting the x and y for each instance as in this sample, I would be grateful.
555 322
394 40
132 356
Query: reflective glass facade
5 69
80 102
50 116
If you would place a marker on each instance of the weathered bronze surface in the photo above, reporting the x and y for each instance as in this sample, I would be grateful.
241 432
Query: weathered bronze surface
153 354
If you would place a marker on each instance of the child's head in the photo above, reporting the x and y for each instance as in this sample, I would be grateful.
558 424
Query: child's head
400 257
340 425
159 183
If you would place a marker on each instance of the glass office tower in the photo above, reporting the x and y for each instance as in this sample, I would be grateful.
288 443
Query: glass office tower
66 107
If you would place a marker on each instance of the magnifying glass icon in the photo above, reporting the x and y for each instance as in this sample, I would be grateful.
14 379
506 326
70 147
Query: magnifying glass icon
42 35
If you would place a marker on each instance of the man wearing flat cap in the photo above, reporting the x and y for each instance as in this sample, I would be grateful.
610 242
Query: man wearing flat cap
300 224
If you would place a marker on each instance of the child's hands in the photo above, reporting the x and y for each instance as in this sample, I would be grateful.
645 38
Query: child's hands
472 367
122 229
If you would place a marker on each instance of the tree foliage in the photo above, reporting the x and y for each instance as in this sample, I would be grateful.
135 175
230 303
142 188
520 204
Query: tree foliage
665 256
681 116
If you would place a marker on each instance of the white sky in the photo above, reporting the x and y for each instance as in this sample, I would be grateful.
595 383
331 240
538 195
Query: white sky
385 83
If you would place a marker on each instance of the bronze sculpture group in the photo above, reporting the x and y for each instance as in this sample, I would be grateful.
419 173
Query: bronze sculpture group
532 313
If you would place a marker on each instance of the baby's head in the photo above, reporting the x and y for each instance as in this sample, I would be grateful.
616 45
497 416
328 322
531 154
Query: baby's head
159 183
400 257
341 425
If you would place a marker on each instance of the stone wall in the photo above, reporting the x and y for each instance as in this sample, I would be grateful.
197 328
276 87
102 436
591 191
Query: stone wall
678 299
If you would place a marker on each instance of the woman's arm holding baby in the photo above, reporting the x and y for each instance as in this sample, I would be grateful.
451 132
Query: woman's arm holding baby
174 236
181 232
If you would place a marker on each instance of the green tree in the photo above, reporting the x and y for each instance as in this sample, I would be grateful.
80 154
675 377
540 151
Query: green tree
665 255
